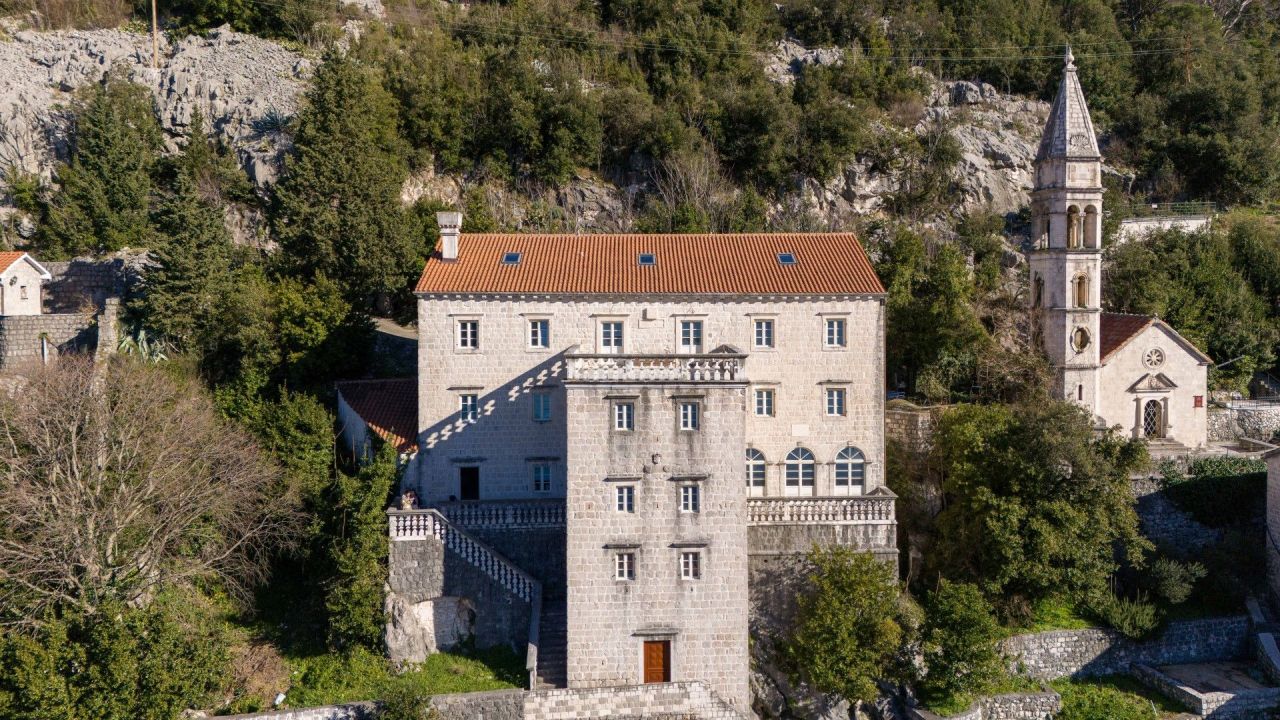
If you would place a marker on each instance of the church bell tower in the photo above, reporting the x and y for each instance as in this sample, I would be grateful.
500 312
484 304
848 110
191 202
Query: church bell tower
1066 258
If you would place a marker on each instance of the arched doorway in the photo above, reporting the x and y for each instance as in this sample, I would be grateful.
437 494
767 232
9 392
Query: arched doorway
1153 419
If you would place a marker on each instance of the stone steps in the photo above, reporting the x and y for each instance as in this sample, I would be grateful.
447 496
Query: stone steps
553 645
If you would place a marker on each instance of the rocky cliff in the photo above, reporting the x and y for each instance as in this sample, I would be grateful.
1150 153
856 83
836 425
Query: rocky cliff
247 88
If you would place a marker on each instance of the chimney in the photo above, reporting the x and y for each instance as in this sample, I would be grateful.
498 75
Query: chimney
450 225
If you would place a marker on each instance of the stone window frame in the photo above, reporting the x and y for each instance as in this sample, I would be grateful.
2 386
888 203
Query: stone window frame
541 484
771 397
839 393
771 323
840 323
543 334
690 498
624 566
624 498
690 564
463 341
688 415
469 412
624 410
697 328
621 336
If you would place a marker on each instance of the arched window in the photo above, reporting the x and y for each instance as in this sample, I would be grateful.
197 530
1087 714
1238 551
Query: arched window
799 472
1091 227
1073 227
755 472
851 471
1082 291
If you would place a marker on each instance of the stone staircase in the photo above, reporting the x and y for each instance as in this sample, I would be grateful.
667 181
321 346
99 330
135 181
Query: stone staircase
1162 448
552 646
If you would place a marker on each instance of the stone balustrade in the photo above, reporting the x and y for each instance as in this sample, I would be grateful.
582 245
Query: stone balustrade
430 523
655 368
522 514
863 509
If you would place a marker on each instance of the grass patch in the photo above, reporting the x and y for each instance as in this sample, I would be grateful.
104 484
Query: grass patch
1054 614
955 704
1115 697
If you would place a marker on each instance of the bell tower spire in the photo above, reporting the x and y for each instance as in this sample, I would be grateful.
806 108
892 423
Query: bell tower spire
1066 255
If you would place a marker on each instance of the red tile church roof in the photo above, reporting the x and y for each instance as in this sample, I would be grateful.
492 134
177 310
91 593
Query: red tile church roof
388 407
728 264
1119 328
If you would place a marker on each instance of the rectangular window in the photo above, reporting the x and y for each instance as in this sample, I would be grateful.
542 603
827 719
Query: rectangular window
542 477
835 401
539 333
469 334
611 336
835 337
625 498
764 334
690 565
690 499
624 416
691 336
23 292
764 403
688 416
542 406
469 407
624 566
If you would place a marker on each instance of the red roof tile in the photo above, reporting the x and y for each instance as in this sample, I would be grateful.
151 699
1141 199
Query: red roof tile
1120 328
388 407
7 259
730 264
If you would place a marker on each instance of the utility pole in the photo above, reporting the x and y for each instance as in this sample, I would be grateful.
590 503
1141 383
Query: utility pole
155 38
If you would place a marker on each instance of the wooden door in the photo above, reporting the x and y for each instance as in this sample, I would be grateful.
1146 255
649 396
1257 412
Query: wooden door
657 661
469 483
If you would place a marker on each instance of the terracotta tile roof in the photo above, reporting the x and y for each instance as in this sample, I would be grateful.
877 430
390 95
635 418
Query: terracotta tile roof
388 407
7 259
730 264
1120 328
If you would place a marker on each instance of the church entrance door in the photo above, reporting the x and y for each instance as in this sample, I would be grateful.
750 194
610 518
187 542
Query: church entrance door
1153 419
657 661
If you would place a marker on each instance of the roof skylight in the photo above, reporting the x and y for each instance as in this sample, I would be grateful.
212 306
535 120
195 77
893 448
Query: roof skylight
511 258
787 258
648 259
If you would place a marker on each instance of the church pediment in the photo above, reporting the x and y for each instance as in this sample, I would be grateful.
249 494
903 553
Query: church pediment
1153 382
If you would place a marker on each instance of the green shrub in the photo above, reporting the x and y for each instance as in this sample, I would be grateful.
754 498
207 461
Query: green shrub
1134 618
1220 491
1174 581
1105 699
405 702
958 640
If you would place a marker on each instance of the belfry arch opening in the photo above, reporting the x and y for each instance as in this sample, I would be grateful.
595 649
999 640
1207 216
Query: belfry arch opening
1091 227
1074 235
1080 291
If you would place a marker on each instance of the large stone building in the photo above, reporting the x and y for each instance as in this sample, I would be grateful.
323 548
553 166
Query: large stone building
1131 372
624 433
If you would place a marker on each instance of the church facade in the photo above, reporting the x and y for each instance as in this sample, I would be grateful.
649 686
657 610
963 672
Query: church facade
1131 372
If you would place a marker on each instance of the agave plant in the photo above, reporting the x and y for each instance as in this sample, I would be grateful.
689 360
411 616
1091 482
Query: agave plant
144 346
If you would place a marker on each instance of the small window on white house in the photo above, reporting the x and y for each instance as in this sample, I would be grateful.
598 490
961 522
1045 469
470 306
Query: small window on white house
624 566
469 334
691 336
542 477
469 407
22 292
690 499
690 565
689 419
611 336
835 401
624 416
764 333
625 498
541 406
835 333
539 333
764 403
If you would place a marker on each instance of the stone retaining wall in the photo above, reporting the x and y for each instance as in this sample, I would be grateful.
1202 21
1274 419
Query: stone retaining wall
21 336
1042 705
83 285
1165 524
350 711
1240 704
1095 652
1261 421
910 425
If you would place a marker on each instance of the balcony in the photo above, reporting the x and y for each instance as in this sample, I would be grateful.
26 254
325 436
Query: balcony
706 368
875 508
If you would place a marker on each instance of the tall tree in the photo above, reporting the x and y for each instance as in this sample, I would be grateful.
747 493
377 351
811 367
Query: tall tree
338 207
107 184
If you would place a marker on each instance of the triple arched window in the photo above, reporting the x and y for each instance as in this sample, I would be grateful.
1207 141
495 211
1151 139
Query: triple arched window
799 472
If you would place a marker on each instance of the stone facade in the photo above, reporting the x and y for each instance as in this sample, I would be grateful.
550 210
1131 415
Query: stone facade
1181 391
702 615
506 374
85 284
911 426
1273 524
1096 652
